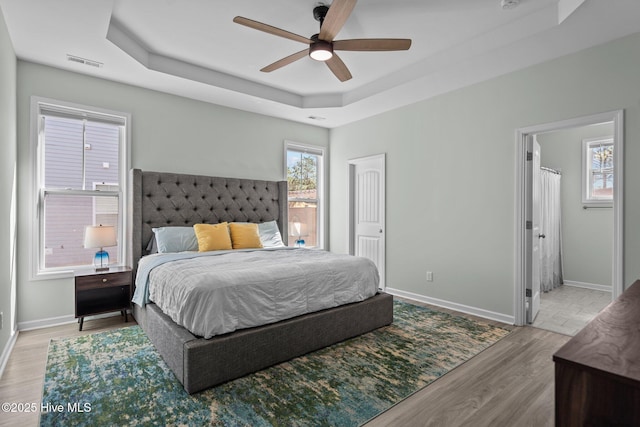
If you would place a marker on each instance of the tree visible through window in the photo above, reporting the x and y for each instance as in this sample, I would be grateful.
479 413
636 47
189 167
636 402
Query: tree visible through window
304 172
302 175
598 155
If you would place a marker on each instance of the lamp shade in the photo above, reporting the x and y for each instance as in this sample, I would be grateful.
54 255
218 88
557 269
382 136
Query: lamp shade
99 236
297 227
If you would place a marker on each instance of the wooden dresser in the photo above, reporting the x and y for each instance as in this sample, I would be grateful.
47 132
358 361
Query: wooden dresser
597 373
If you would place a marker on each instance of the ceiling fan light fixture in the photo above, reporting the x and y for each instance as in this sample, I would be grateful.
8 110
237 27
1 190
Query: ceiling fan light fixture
320 47
321 50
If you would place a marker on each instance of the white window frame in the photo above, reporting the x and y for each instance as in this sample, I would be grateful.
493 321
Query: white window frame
38 105
587 177
95 185
321 173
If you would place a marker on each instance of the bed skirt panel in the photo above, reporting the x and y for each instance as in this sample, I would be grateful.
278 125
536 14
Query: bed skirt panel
245 351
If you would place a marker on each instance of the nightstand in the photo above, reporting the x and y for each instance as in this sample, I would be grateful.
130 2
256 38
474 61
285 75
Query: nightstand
102 292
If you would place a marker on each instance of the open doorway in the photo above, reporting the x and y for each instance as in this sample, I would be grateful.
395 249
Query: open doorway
589 265
577 247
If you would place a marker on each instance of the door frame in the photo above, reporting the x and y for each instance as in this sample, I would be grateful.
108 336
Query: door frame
532 241
351 228
617 117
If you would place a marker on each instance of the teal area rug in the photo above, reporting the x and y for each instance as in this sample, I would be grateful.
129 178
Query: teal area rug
117 378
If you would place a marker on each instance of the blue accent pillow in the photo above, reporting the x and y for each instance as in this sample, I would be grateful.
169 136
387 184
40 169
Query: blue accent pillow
175 239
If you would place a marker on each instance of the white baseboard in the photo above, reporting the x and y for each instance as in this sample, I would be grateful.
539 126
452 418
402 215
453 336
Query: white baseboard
57 321
595 287
4 358
46 323
491 315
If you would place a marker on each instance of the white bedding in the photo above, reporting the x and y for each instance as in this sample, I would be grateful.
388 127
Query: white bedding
223 291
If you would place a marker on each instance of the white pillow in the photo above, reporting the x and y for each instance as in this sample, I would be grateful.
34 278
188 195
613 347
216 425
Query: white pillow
175 239
270 235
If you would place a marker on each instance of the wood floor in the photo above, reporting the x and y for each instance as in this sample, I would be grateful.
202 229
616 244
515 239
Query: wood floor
23 376
509 384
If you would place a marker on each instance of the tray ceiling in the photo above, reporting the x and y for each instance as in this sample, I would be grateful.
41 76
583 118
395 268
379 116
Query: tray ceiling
193 48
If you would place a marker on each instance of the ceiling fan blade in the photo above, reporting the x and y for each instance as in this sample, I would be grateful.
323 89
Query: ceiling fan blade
338 68
285 61
270 29
337 15
372 44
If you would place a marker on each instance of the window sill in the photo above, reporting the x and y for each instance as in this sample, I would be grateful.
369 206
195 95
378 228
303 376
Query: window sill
51 275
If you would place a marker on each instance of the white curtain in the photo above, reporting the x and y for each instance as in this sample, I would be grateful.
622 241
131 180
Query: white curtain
550 225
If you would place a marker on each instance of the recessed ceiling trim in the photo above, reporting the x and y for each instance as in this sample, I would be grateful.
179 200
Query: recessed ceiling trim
126 41
178 68
328 100
566 8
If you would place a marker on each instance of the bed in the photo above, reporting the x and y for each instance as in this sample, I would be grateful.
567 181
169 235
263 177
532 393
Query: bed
172 200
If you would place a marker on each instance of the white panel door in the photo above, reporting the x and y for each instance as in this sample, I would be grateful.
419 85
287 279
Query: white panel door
367 210
533 234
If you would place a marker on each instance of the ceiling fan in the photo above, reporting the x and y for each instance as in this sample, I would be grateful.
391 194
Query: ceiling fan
322 46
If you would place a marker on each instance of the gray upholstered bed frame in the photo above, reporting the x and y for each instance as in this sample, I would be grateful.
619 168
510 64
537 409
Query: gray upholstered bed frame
168 199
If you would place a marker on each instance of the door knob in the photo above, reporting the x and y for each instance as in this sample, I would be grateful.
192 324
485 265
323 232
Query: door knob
541 236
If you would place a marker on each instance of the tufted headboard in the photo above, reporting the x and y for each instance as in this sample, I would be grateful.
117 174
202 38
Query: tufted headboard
159 199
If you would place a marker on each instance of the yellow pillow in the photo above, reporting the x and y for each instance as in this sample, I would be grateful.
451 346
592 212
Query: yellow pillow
212 237
245 235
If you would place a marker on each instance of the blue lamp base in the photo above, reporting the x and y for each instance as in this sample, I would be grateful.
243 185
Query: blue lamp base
101 260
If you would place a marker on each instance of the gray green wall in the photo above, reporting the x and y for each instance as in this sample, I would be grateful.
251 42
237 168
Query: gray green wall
587 234
169 134
451 172
450 165
7 173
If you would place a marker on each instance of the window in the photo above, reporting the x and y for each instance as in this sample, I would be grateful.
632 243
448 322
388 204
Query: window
81 166
598 171
304 166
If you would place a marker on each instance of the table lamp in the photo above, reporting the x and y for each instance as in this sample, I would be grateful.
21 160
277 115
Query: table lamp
100 236
298 229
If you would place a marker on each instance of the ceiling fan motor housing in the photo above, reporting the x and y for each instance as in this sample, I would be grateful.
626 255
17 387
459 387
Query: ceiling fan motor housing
320 50
319 12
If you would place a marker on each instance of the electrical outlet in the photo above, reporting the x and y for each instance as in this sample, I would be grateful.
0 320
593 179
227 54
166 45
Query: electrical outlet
429 276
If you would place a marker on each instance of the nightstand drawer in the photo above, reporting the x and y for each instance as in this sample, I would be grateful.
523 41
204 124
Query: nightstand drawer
103 280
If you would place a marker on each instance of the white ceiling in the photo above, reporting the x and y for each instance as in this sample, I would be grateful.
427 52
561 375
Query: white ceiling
192 48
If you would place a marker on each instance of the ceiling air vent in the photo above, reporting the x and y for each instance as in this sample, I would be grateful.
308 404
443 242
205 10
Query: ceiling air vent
509 4
84 61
